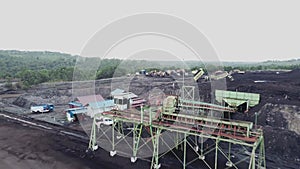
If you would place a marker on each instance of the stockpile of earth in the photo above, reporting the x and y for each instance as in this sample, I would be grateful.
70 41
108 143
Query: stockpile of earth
278 113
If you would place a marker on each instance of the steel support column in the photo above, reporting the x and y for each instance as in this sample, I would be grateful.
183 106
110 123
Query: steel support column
216 154
137 130
155 140
93 142
184 151
113 151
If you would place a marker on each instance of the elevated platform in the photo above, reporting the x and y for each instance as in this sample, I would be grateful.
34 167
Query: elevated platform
171 117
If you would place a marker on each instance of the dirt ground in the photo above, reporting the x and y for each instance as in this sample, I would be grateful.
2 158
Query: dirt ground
23 147
278 113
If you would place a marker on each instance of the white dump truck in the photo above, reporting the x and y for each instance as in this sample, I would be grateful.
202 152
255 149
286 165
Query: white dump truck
42 108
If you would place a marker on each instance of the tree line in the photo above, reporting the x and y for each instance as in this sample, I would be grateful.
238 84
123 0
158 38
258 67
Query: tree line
33 68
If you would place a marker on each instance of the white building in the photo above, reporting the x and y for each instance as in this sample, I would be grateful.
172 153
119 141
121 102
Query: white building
126 100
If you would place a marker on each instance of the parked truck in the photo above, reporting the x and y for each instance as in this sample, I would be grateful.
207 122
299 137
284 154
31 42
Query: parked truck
104 121
42 108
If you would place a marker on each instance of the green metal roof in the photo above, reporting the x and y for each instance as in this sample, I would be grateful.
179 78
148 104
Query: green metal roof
237 98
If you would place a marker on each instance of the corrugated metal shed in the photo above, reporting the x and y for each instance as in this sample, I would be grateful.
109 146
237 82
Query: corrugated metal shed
102 104
84 100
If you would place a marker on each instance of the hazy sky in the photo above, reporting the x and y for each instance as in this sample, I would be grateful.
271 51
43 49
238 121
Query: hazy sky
240 31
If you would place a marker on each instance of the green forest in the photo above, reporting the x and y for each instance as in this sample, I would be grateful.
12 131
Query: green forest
31 68
34 67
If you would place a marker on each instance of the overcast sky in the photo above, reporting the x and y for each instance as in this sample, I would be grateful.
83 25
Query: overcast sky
253 31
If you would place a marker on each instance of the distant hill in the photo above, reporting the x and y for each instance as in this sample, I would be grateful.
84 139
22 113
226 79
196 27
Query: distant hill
12 61
284 62
33 54
34 67
266 65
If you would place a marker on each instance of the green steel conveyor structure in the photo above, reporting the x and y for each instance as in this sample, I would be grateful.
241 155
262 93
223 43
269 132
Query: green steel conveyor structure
244 143
235 99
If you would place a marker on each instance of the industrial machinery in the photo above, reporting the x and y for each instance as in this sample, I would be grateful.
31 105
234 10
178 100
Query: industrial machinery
183 125
235 99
